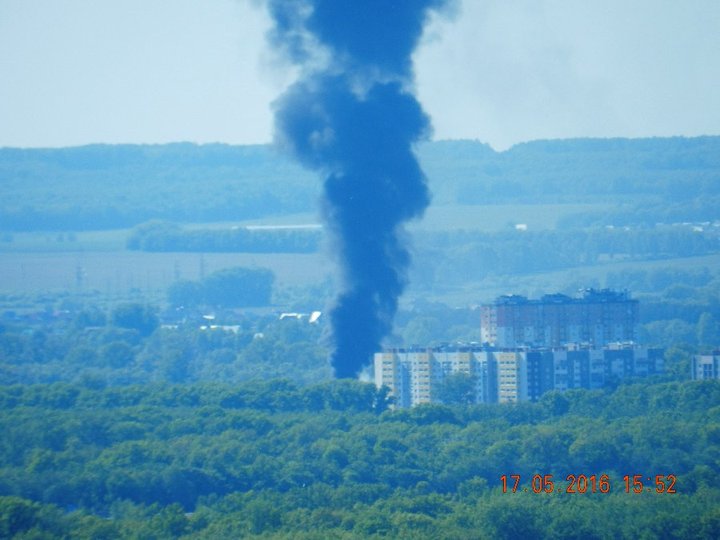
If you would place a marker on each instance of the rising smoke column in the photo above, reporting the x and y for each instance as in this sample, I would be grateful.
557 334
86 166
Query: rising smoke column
351 116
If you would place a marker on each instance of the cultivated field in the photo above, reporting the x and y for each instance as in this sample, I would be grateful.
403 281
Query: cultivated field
534 285
98 260
124 271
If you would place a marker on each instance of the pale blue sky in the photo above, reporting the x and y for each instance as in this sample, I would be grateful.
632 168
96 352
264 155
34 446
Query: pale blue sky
502 71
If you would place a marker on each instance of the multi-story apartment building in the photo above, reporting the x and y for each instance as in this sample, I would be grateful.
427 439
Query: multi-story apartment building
597 318
512 380
705 366
411 374
510 375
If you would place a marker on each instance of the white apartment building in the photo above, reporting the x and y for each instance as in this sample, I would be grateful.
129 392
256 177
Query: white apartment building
513 375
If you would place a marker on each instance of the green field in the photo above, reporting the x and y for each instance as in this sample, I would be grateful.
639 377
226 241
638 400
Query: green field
119 272
487 218
62 241
98 260
492 218
535 285
124 271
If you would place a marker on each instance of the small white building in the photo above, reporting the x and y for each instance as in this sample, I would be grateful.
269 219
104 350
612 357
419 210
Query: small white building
705 366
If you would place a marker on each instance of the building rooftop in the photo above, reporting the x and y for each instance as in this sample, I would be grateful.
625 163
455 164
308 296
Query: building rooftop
587 295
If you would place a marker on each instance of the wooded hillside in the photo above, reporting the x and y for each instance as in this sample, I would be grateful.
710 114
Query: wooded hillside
103 186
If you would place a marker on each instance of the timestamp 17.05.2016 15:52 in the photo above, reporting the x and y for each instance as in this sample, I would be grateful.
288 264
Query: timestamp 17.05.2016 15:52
593 483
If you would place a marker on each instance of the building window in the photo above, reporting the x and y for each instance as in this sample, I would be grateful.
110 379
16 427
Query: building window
708 371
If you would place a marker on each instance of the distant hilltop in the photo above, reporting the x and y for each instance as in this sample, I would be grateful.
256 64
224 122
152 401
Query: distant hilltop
47 189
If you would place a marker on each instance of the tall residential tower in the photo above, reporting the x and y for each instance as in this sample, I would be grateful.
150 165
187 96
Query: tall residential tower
597 318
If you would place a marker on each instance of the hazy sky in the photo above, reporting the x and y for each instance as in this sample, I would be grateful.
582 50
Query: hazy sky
501 71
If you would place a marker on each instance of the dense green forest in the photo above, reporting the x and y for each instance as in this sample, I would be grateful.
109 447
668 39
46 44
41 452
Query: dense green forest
103 187
116 427
281 461
106 187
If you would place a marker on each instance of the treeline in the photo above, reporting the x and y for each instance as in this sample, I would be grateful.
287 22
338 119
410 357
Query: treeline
119 186
165 236
500 252
463 255
667 170
660 180
277 460
203 342
702 209
227 288
687 282
129 346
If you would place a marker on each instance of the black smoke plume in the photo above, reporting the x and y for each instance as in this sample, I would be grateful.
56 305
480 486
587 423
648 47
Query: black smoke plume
351 116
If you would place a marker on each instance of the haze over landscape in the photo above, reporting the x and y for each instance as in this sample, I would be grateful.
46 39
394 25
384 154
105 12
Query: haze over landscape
214 233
